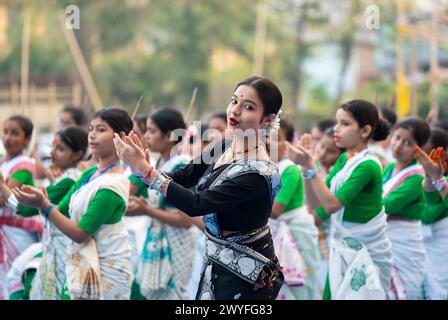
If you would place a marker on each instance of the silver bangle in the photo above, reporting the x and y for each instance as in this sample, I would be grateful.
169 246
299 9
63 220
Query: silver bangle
159 183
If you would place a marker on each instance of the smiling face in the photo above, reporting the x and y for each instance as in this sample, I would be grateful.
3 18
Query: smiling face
245 110
347 133
101 138
14 139
403 144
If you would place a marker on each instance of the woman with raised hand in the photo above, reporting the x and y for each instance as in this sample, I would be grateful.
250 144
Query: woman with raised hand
435 188
98 260
404 204
360 260
69 147
235 193
16 233
163 273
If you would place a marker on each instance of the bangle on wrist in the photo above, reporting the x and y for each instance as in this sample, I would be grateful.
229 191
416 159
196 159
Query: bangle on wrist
47 210
309 174
160 182
440 184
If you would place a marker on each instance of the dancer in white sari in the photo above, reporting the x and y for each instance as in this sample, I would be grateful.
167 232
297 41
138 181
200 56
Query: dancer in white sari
435 186
69 147
16 233
166 259
294 231
404 204
360 254
98 264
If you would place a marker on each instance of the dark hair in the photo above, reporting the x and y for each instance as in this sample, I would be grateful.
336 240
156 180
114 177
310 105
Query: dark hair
288 128
438 138
24 123
219 115
442 124
267 91
75 138
325 124
79 116
366 113
390 115
141 122
419 128
329 132
168 120
118 119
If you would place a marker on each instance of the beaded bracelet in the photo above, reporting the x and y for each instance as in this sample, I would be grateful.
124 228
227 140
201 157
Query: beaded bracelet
160 182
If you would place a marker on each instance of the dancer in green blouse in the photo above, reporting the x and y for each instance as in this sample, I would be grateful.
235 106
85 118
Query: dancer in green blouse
404 205
351 194
90 214
69 147
435 186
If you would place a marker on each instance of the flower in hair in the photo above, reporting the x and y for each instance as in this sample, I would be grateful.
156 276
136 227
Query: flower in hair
274 125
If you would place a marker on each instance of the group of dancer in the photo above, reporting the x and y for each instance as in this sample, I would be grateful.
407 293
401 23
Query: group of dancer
151 208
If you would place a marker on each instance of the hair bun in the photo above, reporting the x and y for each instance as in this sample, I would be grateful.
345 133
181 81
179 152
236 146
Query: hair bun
382 130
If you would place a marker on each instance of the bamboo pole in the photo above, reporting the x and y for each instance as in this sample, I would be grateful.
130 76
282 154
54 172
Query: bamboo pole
137 106
82 67
25 62
434 65
191 105
260 38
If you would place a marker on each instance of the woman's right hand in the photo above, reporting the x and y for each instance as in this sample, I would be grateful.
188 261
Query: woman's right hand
131 151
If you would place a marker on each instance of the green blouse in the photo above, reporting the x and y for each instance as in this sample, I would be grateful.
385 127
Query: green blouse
436 207
291 194
361 194
24 177
106 207
407 199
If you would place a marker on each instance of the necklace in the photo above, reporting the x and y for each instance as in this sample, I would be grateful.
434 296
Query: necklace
244 151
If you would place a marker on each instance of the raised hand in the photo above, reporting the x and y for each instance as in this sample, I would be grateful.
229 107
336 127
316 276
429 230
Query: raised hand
32 197
300 155
306 142
433 169
131 151
439 157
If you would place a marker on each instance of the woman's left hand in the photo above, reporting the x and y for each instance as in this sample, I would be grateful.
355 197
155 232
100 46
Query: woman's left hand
137 207
32 197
